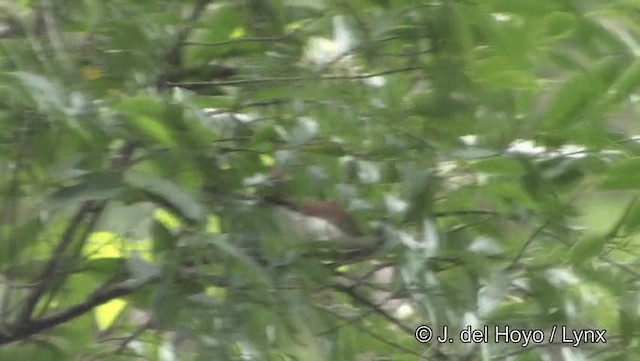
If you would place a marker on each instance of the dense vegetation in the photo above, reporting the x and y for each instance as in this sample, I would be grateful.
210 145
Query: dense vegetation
486 146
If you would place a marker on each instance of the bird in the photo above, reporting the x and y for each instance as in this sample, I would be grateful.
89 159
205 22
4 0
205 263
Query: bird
327 220
318 220
309 219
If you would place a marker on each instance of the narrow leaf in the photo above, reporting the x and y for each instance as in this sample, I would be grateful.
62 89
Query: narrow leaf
587 248
170 193
94 186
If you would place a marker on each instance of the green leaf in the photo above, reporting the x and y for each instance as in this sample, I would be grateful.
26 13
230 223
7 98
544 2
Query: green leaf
176 197
579 93
418 187
632 221
126 220
559 25
93 186
189 212
105 266
215 26
587 248
22 238
628 324
221 242
166 303
163 239
47 95
155 129
499 165
525 7
501 72
145 116
142 270
107 313
626 84
40 351
623 175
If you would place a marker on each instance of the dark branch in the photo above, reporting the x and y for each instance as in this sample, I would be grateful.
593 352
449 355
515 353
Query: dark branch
49 270
294 79
88 214
526 245
471 212
266 39
100 296
350 291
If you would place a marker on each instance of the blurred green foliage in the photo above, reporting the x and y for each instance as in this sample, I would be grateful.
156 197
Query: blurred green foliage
490 144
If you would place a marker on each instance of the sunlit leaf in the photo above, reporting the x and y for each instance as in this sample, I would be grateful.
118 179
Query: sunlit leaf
167 219
103 245
107 313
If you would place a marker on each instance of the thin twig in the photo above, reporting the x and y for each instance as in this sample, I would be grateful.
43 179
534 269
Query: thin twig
294 79
526 245
240 41
350 291
134 335
470 212
623 267
173 57
197 10
365 329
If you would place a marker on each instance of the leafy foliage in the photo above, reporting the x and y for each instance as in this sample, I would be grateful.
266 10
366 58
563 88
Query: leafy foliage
486 148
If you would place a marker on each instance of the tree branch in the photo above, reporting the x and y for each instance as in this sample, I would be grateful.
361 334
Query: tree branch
294 79
100 296
266 39
183 34
88 214
350 291
49 270
173 56
526 245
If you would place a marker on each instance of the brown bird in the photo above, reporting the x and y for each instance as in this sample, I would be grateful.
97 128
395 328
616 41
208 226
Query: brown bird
312 219
315 220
